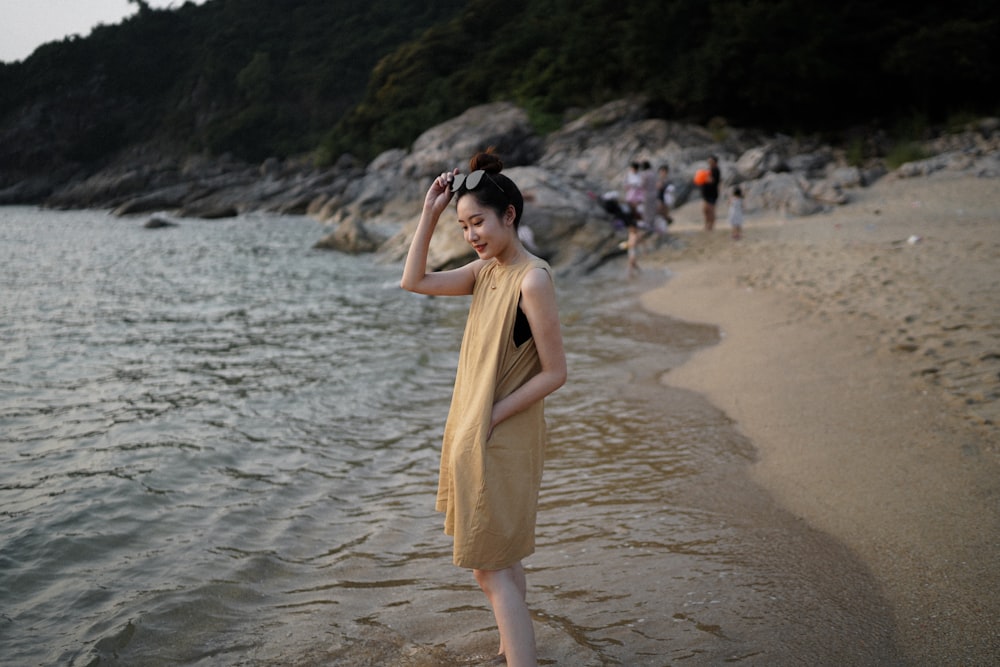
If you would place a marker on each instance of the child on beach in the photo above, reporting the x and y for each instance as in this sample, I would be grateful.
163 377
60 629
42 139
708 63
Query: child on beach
736 213
511 358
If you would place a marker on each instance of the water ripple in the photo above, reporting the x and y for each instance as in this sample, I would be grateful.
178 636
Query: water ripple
215 433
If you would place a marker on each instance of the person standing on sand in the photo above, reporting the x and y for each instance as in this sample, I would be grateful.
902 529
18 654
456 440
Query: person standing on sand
710 193
511 358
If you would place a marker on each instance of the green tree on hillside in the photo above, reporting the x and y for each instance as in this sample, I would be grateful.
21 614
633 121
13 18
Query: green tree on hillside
281 77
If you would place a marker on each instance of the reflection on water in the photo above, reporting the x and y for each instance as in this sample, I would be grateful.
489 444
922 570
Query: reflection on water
220 448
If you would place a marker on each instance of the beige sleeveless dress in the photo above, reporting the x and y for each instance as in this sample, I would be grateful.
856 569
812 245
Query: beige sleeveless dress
488 489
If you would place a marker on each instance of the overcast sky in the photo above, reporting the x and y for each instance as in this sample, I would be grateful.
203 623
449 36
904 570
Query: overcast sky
27 24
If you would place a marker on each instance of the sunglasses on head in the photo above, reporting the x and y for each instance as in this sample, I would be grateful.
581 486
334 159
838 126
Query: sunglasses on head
473 181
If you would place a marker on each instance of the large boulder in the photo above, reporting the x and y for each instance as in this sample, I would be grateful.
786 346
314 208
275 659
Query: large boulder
811 164
596 149
786 193
400 177
568 227
350 237
450 144
758 161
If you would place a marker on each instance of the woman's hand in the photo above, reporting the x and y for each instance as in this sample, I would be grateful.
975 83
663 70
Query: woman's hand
439 193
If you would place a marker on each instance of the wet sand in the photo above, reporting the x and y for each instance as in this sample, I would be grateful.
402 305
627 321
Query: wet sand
860 356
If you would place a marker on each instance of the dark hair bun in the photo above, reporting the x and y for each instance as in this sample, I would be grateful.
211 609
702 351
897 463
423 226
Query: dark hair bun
487 160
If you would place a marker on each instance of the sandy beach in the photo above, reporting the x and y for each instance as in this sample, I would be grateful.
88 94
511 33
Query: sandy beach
860 355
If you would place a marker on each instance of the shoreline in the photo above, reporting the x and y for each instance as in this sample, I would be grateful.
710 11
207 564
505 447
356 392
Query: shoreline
857 354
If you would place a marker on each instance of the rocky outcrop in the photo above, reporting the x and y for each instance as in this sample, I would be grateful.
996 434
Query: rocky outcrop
145 179
587 156
375 207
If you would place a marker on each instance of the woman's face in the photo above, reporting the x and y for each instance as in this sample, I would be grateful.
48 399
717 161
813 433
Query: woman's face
489 234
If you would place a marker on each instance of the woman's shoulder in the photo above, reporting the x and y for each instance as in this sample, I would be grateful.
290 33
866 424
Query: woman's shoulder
477 265
537 274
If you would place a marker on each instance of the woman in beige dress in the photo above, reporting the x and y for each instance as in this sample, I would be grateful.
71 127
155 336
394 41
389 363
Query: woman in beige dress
511 358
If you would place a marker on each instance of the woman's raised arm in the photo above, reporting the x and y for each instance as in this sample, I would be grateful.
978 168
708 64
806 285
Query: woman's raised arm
455 282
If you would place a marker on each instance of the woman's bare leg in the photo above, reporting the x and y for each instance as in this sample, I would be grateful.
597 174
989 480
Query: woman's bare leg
506 591
522 584
633 251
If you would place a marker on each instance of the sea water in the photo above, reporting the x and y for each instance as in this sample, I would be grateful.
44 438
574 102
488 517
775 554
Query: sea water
219 447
